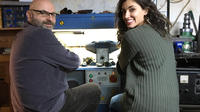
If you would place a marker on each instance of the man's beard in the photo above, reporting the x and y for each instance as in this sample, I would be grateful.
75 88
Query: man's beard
42 23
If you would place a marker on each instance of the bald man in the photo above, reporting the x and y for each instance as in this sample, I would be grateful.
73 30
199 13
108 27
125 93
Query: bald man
39 65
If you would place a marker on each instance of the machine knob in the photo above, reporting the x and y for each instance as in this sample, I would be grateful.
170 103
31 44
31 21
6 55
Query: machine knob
90 80
186 91
198 82
113 78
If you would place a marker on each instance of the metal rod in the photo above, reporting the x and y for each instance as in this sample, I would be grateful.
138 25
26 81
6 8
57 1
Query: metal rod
168 9
193 21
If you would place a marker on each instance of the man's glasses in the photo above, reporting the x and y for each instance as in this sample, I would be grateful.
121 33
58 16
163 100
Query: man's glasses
45 13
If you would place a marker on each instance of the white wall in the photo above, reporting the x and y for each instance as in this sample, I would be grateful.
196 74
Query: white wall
109 5
96 5
175 9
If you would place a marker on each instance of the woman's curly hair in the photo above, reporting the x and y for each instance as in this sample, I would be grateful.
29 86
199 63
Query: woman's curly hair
153 18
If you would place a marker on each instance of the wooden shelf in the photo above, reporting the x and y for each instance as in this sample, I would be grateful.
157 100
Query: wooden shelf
7 35
5 109
9 29
13 3
4 58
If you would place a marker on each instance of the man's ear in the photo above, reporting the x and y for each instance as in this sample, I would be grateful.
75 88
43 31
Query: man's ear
28 15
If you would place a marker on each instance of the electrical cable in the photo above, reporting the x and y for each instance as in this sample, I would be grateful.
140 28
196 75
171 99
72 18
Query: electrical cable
162 5
193 21
175 1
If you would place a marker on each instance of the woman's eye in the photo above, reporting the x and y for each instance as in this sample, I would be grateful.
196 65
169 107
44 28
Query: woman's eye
131 9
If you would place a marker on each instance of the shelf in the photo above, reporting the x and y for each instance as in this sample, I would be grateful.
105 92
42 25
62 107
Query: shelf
9 29
4 58
7 35
13 3
5 109
190 106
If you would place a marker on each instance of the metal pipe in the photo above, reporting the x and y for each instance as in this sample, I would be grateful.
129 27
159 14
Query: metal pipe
168 9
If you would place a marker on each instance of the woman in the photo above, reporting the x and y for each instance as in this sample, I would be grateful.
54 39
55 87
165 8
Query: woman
146 58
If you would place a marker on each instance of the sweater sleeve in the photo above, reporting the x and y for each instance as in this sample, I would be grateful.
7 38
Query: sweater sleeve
54 53
128 51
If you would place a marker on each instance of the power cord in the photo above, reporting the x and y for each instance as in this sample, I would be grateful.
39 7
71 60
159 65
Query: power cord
162 5
175 1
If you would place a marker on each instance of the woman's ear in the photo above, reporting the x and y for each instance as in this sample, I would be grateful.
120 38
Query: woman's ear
146 11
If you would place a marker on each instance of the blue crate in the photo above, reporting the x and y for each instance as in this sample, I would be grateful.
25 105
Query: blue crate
14 16
85 21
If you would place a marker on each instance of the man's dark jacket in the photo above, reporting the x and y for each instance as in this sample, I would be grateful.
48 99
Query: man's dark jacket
38 71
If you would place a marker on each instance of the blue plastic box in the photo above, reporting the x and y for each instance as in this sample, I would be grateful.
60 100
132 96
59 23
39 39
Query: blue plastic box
85 21
14 16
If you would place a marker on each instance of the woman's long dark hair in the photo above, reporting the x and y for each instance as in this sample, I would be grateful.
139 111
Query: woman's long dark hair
153 18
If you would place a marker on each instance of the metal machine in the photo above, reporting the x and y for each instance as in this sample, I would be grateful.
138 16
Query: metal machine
188 67
102 73
189 89
102 50
102 70
185 43
108 81
105 75
189 86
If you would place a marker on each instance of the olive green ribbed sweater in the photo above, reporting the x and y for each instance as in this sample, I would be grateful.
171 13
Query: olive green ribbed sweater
149 63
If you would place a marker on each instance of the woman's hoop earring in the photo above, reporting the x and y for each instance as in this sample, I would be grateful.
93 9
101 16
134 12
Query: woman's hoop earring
147 19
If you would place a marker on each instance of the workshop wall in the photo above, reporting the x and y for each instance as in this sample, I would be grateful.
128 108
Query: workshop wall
176 7
96 5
